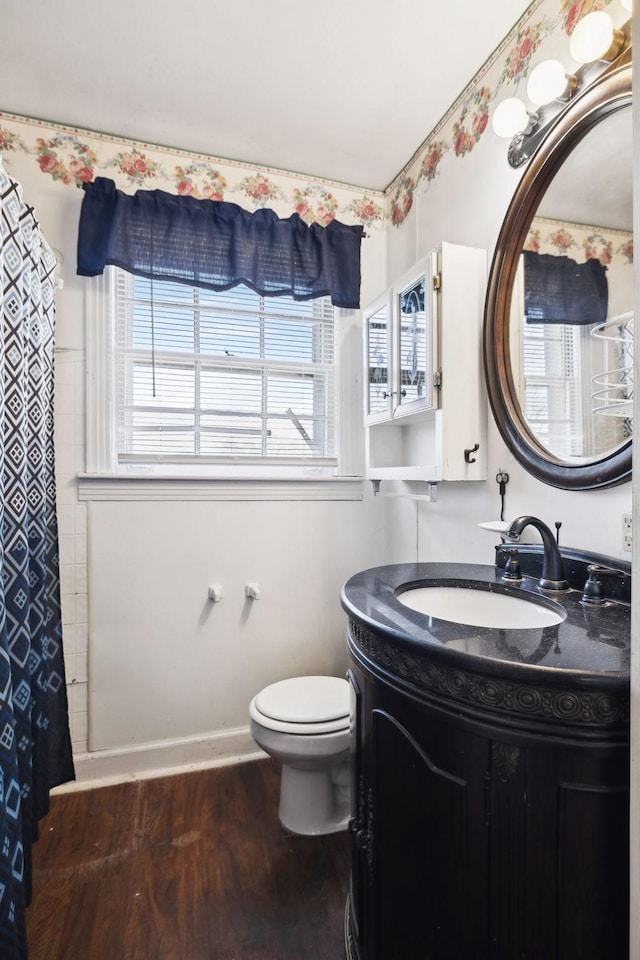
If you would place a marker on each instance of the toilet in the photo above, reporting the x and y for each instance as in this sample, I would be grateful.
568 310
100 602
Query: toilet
303 724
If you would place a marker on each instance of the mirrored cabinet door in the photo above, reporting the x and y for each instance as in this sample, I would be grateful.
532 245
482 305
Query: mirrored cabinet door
401 348
414 344
377 325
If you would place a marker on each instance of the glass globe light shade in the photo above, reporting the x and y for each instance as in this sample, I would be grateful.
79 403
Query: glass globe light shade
547 82
510 117
591 37
627 4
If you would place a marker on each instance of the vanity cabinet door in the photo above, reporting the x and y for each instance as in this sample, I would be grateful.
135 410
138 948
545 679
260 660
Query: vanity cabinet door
428 854
576 822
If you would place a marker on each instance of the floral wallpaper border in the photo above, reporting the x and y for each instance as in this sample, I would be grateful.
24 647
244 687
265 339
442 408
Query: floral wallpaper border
466 121
580 241
74 157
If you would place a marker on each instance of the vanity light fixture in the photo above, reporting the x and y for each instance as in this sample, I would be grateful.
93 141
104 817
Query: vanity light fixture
593 44
595 38
510 117
548 82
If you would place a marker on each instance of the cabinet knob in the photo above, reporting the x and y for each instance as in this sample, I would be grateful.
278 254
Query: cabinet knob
360 835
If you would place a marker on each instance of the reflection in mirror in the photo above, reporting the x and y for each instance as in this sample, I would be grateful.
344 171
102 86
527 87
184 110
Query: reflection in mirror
377 331
413 342
574 379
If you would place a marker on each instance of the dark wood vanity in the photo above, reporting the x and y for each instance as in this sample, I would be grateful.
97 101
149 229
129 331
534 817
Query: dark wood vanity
491 776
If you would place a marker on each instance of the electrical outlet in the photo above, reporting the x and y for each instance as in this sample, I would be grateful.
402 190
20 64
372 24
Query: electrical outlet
627 531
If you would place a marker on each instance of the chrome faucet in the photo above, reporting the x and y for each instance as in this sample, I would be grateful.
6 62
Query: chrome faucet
552 571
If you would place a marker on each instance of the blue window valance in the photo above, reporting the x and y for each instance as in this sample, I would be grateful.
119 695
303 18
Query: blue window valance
218 245
560 290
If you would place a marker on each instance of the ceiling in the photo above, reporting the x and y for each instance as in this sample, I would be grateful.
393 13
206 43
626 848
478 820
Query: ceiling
595 183
345 90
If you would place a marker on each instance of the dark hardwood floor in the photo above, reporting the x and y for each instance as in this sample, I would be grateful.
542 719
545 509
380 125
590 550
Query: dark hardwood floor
190 867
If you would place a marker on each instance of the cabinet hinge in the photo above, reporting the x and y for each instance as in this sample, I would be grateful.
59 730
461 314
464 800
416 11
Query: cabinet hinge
437 378
437 281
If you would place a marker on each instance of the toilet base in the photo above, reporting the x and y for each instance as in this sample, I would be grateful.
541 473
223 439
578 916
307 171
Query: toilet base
311 803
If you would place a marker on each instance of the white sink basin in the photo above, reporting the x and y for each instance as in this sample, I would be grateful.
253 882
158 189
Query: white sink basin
480 608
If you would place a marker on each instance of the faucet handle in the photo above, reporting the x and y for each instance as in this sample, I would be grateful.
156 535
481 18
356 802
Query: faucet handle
512 569
592 592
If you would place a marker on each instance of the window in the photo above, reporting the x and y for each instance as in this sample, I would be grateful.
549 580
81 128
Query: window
222 375
191 382
553 400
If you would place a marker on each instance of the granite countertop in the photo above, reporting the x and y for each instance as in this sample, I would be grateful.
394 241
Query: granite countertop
591 642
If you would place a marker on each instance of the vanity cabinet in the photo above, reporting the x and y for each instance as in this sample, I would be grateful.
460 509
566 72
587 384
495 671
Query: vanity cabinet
478 841
425 403
490 803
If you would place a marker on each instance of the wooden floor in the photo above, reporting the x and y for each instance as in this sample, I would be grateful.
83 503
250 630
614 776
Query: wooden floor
191 867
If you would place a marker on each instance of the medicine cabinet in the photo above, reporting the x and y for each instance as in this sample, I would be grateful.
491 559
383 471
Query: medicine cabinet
425 404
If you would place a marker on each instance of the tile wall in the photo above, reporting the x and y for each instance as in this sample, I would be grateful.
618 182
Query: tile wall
72 529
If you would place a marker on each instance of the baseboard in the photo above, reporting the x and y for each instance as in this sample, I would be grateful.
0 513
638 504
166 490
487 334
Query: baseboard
104 767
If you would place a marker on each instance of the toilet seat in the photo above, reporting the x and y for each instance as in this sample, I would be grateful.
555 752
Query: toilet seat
303 705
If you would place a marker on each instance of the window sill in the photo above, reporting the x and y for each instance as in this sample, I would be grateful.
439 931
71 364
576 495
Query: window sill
93 486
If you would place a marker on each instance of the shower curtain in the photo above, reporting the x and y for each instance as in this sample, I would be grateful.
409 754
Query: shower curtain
35 746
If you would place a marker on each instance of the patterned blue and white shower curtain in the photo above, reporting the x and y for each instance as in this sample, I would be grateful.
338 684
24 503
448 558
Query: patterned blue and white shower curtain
35 747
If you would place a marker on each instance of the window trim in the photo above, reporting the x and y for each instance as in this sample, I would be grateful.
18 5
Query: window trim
105 479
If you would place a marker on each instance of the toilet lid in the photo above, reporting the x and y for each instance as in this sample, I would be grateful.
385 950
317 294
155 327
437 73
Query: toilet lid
305 700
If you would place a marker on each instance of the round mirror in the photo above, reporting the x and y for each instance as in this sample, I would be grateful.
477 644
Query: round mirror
558 338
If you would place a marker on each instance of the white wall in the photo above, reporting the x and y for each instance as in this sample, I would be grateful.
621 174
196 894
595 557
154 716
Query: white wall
167 662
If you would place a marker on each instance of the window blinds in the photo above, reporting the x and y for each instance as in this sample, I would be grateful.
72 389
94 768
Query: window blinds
222 376
553 402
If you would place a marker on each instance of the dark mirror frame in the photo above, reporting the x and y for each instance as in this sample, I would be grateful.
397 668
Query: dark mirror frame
610 92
